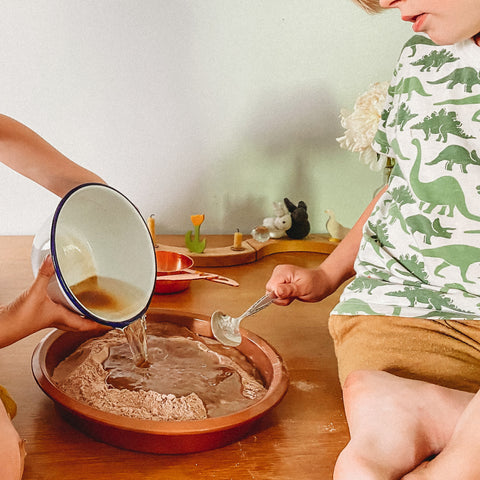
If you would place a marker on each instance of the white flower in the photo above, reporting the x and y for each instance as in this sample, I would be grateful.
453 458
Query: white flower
362 124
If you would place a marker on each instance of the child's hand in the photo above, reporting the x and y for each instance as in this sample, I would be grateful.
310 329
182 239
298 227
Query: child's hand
290 282
33 310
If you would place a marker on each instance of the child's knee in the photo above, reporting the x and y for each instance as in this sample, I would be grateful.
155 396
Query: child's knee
350 465
12 451
361 384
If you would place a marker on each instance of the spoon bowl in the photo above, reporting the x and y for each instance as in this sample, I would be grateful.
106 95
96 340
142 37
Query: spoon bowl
226 329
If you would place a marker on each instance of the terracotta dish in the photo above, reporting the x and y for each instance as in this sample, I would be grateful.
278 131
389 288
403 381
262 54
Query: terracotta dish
153 436
169 263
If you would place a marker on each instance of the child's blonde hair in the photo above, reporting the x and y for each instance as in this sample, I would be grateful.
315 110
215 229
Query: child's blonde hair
371 6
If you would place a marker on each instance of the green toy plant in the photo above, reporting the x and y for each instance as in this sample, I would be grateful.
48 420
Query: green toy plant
196 245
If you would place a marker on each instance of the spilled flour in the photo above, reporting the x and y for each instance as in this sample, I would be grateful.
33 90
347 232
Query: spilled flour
188 377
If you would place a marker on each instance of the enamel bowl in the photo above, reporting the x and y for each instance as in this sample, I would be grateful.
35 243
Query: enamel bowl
96 232
154 436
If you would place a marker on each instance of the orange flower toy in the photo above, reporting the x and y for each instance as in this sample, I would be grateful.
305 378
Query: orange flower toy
196 245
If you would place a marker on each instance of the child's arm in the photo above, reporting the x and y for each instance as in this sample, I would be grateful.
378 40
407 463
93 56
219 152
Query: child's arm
30 155
289 282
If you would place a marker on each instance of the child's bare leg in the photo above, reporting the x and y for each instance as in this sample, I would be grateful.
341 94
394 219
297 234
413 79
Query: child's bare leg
461 457
12 452
395 423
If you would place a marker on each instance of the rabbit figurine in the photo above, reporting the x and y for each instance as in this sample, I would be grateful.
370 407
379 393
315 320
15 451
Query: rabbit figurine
278 225
300 225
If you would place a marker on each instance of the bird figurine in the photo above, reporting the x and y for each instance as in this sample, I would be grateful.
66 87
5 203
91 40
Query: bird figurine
336 230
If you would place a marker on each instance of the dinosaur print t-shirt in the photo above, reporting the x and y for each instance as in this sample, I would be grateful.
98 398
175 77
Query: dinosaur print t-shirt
420 251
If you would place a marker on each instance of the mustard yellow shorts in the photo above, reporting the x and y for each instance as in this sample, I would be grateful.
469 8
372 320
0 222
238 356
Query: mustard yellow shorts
444 352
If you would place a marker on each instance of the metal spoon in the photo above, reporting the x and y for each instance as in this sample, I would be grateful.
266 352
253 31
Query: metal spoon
226 328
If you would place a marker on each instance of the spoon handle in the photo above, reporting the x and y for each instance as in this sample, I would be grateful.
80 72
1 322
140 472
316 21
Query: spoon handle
260 304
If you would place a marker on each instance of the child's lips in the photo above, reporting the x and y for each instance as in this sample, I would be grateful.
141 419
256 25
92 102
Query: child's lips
417 21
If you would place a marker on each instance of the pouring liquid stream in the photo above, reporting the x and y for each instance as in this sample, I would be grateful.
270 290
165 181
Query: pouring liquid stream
115 298
136 335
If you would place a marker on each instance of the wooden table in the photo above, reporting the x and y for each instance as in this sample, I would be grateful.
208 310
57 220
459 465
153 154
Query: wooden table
299 439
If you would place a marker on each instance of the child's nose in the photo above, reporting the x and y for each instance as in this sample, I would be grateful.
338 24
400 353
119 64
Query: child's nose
388 3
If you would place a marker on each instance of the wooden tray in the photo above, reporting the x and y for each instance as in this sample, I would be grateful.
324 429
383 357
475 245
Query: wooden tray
216 254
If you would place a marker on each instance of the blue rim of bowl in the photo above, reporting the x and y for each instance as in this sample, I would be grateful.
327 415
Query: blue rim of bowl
66 289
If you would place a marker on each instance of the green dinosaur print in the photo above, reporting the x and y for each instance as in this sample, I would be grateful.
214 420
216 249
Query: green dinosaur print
403 117
366 284
384 115
423 225
456 286
467 76
444 191
375 272
456 155
354 307
436 59
408 86
450 315
395 215
396 149
400 196
397 69
442 123
432 299
460 256
413 268
472 100
418 40
381 235
381 140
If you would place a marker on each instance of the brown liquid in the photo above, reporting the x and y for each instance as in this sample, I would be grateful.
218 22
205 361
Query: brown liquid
178 366
114 299
108 298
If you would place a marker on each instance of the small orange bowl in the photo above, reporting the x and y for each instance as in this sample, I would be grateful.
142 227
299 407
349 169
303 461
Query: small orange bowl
171 263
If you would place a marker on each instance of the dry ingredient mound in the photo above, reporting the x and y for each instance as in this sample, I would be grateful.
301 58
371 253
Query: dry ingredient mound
84 377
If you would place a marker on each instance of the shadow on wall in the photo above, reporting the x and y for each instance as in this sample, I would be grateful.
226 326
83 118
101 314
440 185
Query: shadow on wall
278 154
297 122
244 213
295 132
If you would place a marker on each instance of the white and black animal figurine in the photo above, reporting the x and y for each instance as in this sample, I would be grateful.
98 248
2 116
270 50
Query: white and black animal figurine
278 225
300 225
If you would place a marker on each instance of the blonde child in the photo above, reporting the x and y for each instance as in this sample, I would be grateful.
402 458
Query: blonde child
406 330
